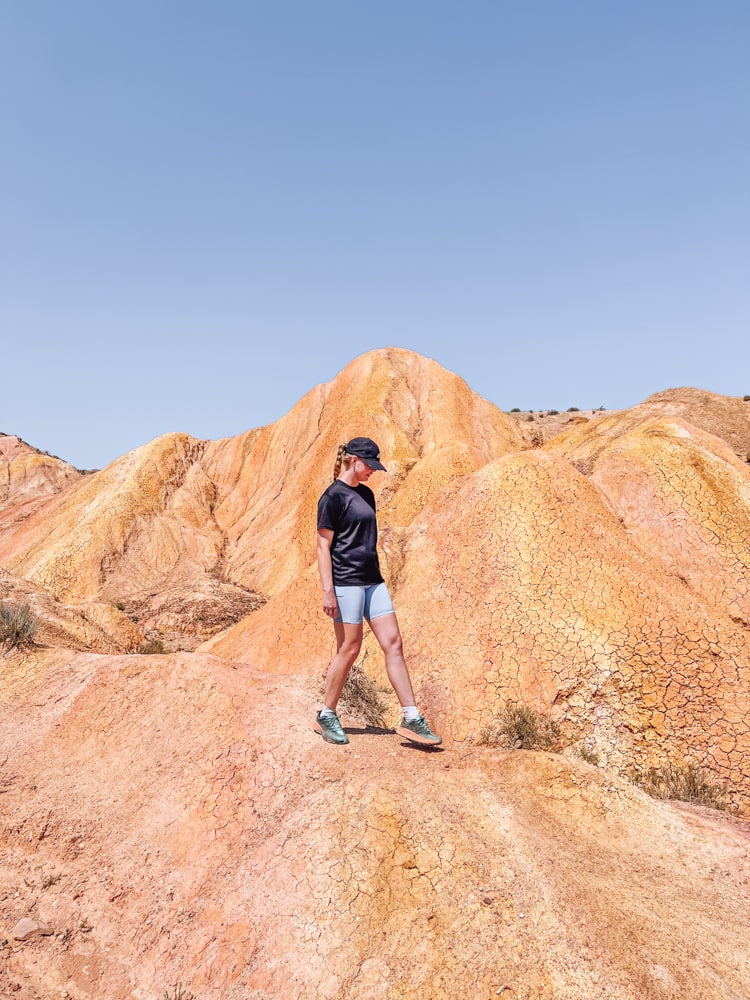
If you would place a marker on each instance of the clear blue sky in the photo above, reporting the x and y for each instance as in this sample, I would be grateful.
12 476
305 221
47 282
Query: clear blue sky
210 207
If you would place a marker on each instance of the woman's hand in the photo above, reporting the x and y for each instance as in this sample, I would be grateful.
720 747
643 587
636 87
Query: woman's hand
330 604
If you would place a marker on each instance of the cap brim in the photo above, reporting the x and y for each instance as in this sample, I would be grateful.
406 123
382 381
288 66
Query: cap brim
374 464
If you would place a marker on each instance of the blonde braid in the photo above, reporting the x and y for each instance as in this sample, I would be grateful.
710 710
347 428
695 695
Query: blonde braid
340 452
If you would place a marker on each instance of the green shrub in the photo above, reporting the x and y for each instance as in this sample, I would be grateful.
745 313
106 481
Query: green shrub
361 696
18 626
685 783
516 409
573 409
522 727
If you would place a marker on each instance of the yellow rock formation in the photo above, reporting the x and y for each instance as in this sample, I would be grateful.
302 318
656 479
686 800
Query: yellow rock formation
683 496
93 626
26 472
243 508
557 607
28 480
602 577
176 821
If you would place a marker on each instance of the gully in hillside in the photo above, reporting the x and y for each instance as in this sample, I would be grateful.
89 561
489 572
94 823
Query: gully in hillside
353 589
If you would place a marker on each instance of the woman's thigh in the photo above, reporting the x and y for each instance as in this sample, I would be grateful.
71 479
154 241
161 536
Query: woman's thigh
386 631
348 635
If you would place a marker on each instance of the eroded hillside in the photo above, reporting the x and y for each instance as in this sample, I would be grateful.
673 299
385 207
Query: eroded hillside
173 818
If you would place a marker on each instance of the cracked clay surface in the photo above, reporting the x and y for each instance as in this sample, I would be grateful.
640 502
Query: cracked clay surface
175 822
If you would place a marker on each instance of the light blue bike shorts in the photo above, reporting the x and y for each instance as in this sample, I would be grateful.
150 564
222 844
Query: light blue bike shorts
356 603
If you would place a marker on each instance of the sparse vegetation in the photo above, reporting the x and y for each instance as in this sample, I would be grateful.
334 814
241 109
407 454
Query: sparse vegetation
361 696
590 756
178 993
151 646
120 606
573 409
516 409
685 783
18 626
552 413
521 727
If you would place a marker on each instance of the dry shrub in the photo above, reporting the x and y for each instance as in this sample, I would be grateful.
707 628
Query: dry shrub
685 783
587 754
362 697
520 726
18 626
151 646
178 993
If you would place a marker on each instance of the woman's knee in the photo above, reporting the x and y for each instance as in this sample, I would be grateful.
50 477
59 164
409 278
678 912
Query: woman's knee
349 649
392 645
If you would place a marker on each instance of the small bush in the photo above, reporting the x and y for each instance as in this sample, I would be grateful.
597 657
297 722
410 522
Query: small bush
362 697
516 409
151 646
552 413
573 409
520 726
746 398
18 626
590 756
685 783
120 606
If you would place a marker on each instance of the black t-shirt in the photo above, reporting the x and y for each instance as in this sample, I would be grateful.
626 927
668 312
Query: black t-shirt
349 512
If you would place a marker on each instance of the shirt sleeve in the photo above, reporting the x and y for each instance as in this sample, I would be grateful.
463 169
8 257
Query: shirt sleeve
329 511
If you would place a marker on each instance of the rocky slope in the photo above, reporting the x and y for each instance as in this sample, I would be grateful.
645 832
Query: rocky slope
28 480
179 511
174 822
178 826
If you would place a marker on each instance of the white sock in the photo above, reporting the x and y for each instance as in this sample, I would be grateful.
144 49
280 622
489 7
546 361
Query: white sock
410 713
327 712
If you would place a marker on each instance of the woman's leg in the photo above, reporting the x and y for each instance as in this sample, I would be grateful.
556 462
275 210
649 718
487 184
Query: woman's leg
386 631
348 642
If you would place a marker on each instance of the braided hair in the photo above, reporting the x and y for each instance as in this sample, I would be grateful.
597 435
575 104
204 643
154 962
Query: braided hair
341 459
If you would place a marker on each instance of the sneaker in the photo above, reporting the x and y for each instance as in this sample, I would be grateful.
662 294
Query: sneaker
418 731
330 729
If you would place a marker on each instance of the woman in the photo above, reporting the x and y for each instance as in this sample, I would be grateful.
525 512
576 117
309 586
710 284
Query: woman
353 589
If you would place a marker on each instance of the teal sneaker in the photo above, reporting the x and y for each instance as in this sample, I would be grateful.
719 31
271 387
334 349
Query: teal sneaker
330 729
418 731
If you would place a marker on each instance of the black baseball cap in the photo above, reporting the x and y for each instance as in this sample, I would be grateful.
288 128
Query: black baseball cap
367 450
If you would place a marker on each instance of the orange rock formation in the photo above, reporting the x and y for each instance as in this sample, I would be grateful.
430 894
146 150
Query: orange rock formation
177 822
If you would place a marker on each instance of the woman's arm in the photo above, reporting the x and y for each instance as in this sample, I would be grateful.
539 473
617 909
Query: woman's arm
325 568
